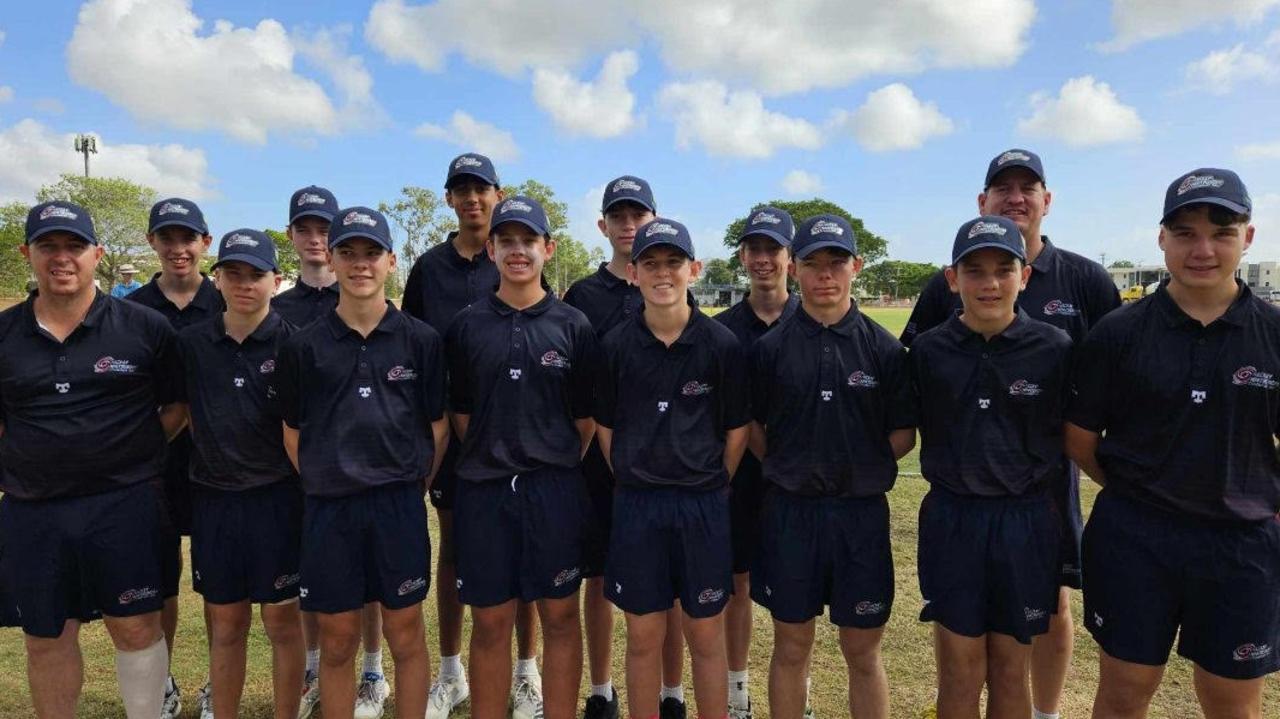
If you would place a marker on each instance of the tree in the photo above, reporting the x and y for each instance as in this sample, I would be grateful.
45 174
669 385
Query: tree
572 260
871 247
895 278
14 269
120 210
1120 263
286 255
424 218
718 271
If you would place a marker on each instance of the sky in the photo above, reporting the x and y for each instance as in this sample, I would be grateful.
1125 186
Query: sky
891 110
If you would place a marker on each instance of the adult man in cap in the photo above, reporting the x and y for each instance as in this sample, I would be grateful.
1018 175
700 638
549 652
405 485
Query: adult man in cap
128 281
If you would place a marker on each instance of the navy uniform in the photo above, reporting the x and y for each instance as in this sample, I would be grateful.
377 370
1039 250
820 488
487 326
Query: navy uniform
991 447
828 398
1183 539
82 452
669 409
246 504
301 304
364 407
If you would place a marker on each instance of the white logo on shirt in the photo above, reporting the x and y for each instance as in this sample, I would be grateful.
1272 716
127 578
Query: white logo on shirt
1250 376
62 387
984 402
862 379
400 373
1023 388
365 392
1058 307
554 359
268 367
1198 396
111 364
826 395
515 373
662 406
695 389
239 381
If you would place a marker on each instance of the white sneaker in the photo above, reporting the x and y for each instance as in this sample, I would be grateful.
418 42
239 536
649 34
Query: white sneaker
172 705
447 694
526 698
370 696
310 694
205 700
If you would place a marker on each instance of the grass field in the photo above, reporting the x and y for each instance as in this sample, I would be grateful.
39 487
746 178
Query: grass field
907 649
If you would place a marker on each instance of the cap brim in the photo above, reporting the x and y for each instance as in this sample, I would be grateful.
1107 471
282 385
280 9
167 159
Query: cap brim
771 234
179 223
326 216
636 252
1220 202
252 260
352 235
62 228
448 183
984 245
823 245
647 205
520 220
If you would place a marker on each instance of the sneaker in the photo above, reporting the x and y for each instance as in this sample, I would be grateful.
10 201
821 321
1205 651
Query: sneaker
671 708
600 708
205 700
370 696
310 694
809 713
447 694
172 705
736 713
526 698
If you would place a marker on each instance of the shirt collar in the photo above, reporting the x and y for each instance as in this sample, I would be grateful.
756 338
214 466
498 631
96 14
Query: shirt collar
844 327
1048 257
304 287
92 318
610 280
457 260
505 310
688 335
1236 314
962 334
788 309
340 329
262 333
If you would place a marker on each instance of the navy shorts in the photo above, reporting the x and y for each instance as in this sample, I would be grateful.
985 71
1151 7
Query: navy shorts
177 482
170 556
988 564
9 616
1151 575
1066 502
745 495
520 537
824 551
367 547
667 544
600 485
445 485
82 557
246 545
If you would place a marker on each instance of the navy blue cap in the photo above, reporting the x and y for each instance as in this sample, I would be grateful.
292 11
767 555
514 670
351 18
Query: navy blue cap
772 223
822 231
628 188
525 210
1208 185
471 163
988 231
363 222
177 212
60 216
662 231
252 247
1014 158
313 201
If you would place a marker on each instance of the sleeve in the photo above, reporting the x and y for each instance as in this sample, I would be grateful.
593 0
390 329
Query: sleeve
284 384
917 366
411 301
459 379
933 307
168 365
1091 380
606 392
571 296
433 375
736 408
1101 294
903 411
582 371
759 381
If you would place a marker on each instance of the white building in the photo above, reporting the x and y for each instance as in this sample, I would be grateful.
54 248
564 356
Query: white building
1258 275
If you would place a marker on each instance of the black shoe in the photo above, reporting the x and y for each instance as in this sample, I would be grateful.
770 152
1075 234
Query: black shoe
600 708
671 708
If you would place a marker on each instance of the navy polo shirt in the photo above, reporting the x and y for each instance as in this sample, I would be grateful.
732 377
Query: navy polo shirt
207 303
301 304
523 376
235 426
670 407
605 299
80 415
991 410
828 398
1189 414
442 282
1069 291
364 405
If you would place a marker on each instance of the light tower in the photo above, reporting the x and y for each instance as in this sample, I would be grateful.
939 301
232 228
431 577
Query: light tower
86 144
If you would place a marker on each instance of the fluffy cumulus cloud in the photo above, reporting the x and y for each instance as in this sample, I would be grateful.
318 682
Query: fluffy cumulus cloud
799 182
732 124
1136 21
1085 112
1221 71
893 118
36 155
601 108
1259 151
472 135
156 59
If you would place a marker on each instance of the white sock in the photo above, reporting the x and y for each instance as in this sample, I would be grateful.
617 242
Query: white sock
142 676
739 697
808 681
527 668
676 692
451 666
1037 714
373 662
603 690
313 661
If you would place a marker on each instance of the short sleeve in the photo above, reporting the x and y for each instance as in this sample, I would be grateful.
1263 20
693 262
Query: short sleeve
582 370
933 307
903 411
759 381
736 407
168 365
606 386
433 376
461 393
284 387
1091 381
411 300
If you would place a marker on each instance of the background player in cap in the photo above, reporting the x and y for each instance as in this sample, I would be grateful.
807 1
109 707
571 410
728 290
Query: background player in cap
991 383
1174 414
361 395
521 366
672 417
833 413
764 249
246 503
81 452
311 209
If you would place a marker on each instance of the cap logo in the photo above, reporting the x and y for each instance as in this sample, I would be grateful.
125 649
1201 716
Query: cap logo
1196 182
467 161
172 207
660 228
1013 155
516 206
826 227
358 218
986 228
57 211
625 184
239 239
310 198
766 217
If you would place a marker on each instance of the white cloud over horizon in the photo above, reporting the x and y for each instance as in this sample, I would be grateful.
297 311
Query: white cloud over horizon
1084 113
602 108
472 135
1138 21
732 123
893 118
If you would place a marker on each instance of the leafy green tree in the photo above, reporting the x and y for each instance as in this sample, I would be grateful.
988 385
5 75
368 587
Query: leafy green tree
718 271
871 246
425 219
895 278
572 260
286 255
14 269
120 210
1121 263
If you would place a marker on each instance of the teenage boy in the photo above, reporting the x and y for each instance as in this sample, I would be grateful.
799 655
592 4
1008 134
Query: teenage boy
81 452
671 415
991 384
1068 291
361 394
1174 414
177 232
607 298
833 413
246 505
521 366
764 249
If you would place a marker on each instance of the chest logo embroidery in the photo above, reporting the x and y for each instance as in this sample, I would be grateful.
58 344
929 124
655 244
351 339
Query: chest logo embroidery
695 389
268 367
863 380
555 359
662 406
1198 396
400 373
111 364
1250 376
239 381
514 373
826 395
1023 388
984 403
62 387
365 392
1058 307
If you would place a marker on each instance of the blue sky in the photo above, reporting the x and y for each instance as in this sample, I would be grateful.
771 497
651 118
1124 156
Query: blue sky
890 109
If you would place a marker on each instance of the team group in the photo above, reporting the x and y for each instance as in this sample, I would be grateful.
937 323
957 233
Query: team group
680 466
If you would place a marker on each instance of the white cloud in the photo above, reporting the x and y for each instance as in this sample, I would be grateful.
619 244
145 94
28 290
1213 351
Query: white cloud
1220 71
1136 21
326 49
732 124
893 118
583 214
1085 112
1259 151
473 135
152 58
36 155
799 182
6 93
603 108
